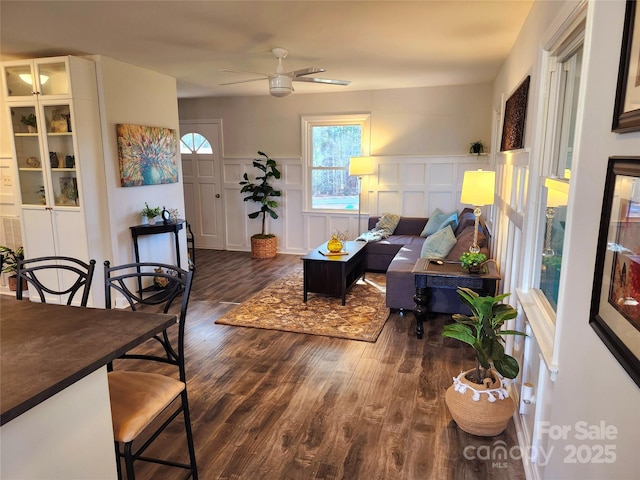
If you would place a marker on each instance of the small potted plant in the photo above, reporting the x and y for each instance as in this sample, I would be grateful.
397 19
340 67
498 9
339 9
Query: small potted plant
31 122
10 260
149 214
473 262
478 399
263 245
476 147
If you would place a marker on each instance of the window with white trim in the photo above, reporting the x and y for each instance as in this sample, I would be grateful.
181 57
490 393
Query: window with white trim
194 143
564 72
329 141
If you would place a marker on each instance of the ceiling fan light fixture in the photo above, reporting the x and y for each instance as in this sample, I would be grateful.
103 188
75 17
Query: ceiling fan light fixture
280 85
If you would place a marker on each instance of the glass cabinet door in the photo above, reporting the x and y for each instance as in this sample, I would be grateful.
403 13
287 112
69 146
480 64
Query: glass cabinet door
62 158
19 80
53 78
26 138
46 158
45 77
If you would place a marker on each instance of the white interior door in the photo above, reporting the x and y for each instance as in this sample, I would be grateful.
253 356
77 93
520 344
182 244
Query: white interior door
202 177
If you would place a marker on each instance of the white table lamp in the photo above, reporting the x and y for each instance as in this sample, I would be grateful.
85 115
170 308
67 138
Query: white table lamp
358 167
478 189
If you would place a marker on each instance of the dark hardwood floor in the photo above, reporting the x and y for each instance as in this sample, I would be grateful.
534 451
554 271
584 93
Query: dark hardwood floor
275 405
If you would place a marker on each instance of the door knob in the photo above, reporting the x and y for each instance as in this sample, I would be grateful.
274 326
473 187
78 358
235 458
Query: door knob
217 195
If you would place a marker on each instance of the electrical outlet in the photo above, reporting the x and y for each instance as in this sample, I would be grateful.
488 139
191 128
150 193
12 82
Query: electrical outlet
6 181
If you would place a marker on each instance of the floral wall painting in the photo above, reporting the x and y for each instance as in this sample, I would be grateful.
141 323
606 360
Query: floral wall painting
515 114
615 300
626 115
147 155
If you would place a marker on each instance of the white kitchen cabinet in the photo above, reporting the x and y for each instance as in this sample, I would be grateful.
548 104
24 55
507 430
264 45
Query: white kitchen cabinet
58 157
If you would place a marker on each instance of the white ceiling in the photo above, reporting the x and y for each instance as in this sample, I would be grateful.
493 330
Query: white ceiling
375 44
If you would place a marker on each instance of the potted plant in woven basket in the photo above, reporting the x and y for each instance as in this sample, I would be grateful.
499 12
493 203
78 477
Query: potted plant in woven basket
263 245
10 259
478 400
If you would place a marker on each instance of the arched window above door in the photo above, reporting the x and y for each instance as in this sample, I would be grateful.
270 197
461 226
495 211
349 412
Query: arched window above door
195 143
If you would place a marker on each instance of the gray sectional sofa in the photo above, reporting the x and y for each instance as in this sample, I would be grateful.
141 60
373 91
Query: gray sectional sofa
397 254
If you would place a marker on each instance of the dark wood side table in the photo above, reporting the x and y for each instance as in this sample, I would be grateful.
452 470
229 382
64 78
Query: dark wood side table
156 228
447 274
333 275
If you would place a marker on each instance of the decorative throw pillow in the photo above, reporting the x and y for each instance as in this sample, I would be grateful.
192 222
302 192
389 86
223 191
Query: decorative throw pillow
431 223
439 244
451 220
438 220
388 223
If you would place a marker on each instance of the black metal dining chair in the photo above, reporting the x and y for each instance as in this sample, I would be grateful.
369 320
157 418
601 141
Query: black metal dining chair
191 245
139 398
55 275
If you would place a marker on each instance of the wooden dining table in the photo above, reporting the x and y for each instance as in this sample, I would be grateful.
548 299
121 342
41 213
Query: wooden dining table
55 413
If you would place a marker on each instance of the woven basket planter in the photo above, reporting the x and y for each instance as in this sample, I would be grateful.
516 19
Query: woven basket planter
13 283
264 247
480 410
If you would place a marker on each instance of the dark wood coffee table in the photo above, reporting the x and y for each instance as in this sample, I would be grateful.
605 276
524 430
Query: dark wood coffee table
333 275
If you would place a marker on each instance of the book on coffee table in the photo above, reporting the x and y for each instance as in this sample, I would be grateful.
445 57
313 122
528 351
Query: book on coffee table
332 254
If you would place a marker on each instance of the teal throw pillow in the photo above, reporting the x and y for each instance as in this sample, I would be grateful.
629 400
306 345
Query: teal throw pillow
438 220
388 223
431 223
451 220
439 244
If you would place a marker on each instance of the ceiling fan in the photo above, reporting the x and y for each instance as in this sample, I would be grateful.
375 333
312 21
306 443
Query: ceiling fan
280 82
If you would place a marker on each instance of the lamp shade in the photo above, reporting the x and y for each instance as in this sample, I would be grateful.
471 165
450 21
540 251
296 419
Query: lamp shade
478 188
359 166
557 192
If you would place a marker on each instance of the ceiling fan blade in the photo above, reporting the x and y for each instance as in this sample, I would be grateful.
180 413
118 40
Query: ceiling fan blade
305 71
321 80
267 75
242 81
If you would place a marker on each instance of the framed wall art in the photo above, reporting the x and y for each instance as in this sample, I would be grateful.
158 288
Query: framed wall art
615 300
515 115
147 155
626 114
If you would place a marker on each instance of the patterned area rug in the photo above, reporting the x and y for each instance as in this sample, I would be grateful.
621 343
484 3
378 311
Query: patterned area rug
280 307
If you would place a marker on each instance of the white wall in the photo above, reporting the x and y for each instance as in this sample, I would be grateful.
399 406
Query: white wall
8 206
412 121
591 386
134 95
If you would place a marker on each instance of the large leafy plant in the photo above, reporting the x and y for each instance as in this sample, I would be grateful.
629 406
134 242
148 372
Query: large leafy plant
483 331
261 191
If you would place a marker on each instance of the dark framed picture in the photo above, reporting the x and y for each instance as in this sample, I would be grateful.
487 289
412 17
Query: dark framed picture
626 114
515 116
615 300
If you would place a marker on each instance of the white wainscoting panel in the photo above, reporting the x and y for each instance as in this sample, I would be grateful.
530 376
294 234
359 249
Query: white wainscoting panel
413 174
412 186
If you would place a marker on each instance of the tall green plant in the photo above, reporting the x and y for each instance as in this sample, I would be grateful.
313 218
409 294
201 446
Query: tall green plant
483 331
261 192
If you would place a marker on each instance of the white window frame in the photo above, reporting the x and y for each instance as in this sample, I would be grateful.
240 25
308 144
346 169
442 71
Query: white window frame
558 107
563 39
310 121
